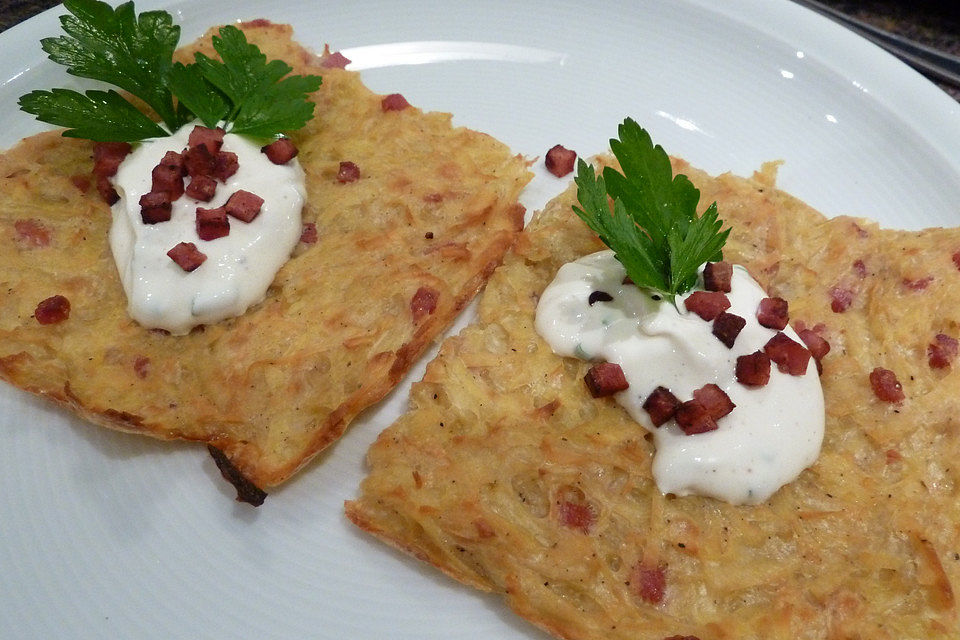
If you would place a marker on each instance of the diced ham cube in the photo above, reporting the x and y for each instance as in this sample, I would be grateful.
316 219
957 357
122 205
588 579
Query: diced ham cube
174 160
335 60
394 102
753 370
106 190
772 313
790 356
52 310
574 510
649 582
715 400
942 351
212 223
198 161
576 516
605 379
202 188
707 304
424 302
31 233
168 179
187 256
212 139
81 182
309 233
141 366
860 268
886 386
225 164
840 299
280 151
349 172
717 276
661 405
956 259
817 328
107 157
817 345
560 160
917 284
155 207
693 418
244 205
727 326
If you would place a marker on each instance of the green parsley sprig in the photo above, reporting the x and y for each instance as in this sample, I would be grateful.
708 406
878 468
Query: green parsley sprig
135 53
653 228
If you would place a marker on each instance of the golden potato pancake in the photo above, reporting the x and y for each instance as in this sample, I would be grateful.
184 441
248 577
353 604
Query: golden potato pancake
509 477
398 253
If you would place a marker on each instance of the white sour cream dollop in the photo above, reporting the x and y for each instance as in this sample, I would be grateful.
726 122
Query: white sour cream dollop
239 267
773 434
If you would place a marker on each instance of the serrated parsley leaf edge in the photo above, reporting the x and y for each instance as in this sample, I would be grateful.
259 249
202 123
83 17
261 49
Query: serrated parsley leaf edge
97 35
652 225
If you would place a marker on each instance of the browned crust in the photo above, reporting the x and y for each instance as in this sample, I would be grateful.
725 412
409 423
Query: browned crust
246 490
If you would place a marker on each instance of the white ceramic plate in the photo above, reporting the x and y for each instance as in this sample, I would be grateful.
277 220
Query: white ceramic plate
106 535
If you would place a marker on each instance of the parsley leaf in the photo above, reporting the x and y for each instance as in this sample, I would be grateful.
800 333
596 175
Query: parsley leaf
263 101
634 248
133 52
103 116
197 94
116 46
244 69
654 228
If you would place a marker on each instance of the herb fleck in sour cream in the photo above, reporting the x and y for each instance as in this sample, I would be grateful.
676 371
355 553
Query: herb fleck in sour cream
239 266
774 432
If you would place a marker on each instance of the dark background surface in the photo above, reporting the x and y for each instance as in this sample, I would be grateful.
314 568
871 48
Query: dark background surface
930 22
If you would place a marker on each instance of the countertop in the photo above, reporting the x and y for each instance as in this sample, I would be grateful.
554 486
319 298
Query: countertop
934 23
